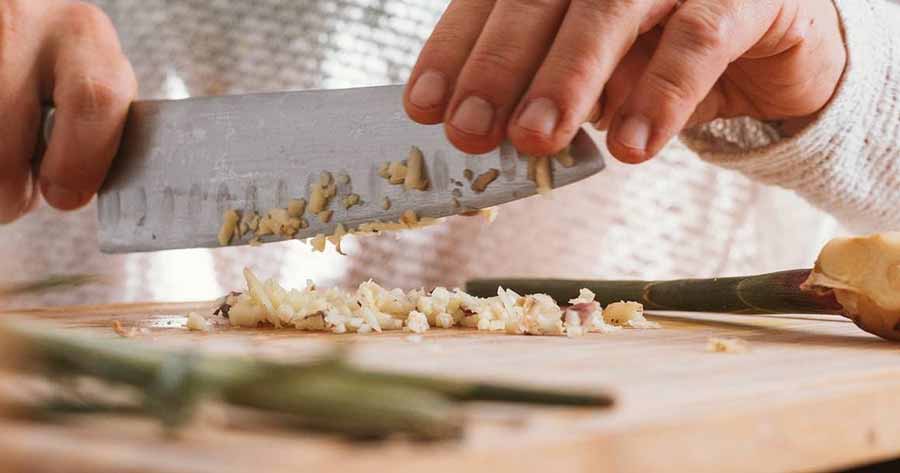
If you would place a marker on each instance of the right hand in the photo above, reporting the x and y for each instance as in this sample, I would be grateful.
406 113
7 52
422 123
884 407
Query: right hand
66 53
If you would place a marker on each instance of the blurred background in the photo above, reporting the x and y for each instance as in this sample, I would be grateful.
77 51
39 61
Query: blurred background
674 217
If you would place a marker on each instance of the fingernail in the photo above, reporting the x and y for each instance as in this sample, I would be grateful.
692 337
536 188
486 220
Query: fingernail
61 196
475 115
429 90
540 115
634 132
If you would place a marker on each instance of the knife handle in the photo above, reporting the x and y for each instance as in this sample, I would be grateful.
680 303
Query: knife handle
47 115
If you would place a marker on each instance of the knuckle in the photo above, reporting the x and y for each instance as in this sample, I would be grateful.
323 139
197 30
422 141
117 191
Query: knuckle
85 19
576 66
497 59
704 30
82 173
92 98
76 173
668 87
535 5
446 36
606 9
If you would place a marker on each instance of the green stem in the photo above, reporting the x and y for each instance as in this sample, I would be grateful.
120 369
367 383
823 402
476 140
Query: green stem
51 283
325 394
766 293
476 392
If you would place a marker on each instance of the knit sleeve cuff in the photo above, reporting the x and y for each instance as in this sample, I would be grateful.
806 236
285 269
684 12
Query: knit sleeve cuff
827 161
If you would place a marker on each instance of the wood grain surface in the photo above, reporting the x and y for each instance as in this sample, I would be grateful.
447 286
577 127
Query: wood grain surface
812 394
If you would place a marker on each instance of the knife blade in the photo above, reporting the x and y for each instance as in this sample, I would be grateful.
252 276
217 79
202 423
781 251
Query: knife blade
183 163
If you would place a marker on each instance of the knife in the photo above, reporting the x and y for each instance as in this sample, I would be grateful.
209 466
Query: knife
183 163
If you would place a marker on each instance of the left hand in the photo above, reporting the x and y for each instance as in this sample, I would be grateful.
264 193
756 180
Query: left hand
533 71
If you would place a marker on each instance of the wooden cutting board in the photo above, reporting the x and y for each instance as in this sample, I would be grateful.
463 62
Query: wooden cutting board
812 394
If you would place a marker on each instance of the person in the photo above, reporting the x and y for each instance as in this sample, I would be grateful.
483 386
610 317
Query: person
798 94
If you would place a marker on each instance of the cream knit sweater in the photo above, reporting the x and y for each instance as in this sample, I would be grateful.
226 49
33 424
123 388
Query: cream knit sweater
848 161
673 217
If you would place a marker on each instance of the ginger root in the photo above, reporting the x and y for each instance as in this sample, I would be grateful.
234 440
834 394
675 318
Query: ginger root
863 273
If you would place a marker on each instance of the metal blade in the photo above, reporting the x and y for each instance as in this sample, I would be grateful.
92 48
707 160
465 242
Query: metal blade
183 163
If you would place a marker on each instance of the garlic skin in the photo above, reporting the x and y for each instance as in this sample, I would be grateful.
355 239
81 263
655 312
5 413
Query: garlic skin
864 275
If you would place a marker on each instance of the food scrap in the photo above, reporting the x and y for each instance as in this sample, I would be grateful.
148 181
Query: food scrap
296 207
350 200
627 314
196 322
726 345
484 179
230 221
279 222
543 176
325 216
122 331
396 172
565 158
320 194
415 171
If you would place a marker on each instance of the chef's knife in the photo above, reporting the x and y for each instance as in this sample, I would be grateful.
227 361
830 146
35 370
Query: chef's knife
183 163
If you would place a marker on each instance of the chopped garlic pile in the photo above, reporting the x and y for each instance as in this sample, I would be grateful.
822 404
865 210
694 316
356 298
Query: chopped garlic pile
374 308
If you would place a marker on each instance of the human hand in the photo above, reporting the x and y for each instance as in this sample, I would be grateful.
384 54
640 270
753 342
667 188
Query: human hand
533 71
66 52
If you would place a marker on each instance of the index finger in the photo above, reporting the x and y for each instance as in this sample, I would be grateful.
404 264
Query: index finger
592 40
93 86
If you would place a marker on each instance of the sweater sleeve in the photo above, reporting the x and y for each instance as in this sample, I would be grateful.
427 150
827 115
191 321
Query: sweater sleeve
847 162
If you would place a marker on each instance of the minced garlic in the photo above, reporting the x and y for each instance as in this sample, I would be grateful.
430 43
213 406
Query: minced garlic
543 176
230 221
384 170
296 207
484 179
121 331
318 242
397 172
374 308
279 222
325 179
325 216
409 217
197 322
415 171
249 223
335 238
565 158
351 200
584 315
317 200
416 322
627 314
